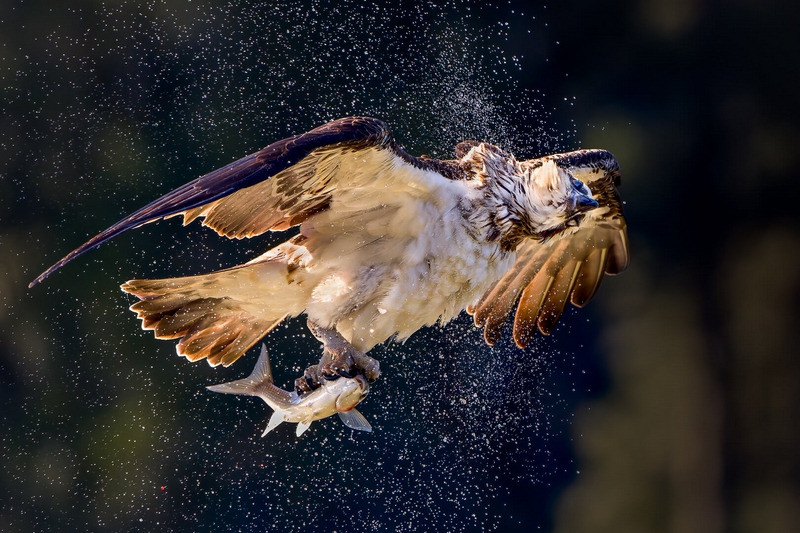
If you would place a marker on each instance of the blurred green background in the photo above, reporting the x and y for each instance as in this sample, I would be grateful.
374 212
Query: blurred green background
670 404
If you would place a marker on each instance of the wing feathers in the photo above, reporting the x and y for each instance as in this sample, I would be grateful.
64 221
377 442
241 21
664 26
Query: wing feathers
618 254
236 203
529 260
528 310
557 296
589 279
501 300
571 267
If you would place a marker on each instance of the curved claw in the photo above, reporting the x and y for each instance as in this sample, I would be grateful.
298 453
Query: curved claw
308 382
330 375
337 368
347 374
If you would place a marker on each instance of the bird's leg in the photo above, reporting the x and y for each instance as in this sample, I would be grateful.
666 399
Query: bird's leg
341 358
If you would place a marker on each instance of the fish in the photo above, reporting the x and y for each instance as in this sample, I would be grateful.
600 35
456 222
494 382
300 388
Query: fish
336 396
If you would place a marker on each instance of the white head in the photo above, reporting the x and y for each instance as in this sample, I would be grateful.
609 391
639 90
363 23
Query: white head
535 198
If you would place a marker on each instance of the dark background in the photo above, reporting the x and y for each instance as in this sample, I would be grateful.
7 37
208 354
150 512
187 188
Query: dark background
671 403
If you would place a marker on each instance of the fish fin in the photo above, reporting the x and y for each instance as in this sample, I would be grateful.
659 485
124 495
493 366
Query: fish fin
355 420
302 427
262 371
260 374
274 421
241 386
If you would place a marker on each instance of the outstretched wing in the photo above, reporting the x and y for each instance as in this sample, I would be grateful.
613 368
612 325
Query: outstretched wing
571 267
279 186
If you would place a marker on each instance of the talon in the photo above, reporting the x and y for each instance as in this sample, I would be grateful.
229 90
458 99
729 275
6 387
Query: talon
308 382
335 365
347 373
333 370
340 358
302 386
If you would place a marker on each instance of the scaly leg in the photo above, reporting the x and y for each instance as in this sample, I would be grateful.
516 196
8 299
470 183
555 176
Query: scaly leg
340 358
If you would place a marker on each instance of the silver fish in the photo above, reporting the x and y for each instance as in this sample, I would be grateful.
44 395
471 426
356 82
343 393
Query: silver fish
338 396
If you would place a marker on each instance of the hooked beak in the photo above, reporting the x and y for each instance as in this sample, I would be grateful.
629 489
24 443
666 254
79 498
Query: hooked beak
584 203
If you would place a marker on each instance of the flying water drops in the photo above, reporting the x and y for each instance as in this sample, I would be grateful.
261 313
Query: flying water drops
139 97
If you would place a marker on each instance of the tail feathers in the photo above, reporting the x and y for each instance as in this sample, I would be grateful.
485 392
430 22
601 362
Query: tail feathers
219 329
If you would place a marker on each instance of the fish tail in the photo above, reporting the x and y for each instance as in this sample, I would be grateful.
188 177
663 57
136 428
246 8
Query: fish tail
259 383
261 374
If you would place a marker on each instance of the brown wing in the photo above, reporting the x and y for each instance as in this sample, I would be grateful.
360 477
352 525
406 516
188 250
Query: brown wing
277 187
571 267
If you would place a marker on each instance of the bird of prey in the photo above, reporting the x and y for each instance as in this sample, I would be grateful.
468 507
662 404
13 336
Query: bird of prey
387 243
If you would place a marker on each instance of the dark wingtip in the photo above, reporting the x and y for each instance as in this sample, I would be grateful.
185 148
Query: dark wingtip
245 172
92 243
50 270
66 259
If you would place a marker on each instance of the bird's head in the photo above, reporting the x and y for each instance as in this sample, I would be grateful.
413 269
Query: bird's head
554 199
531 199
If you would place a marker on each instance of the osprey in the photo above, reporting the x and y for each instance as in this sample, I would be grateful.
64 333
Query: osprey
387 243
